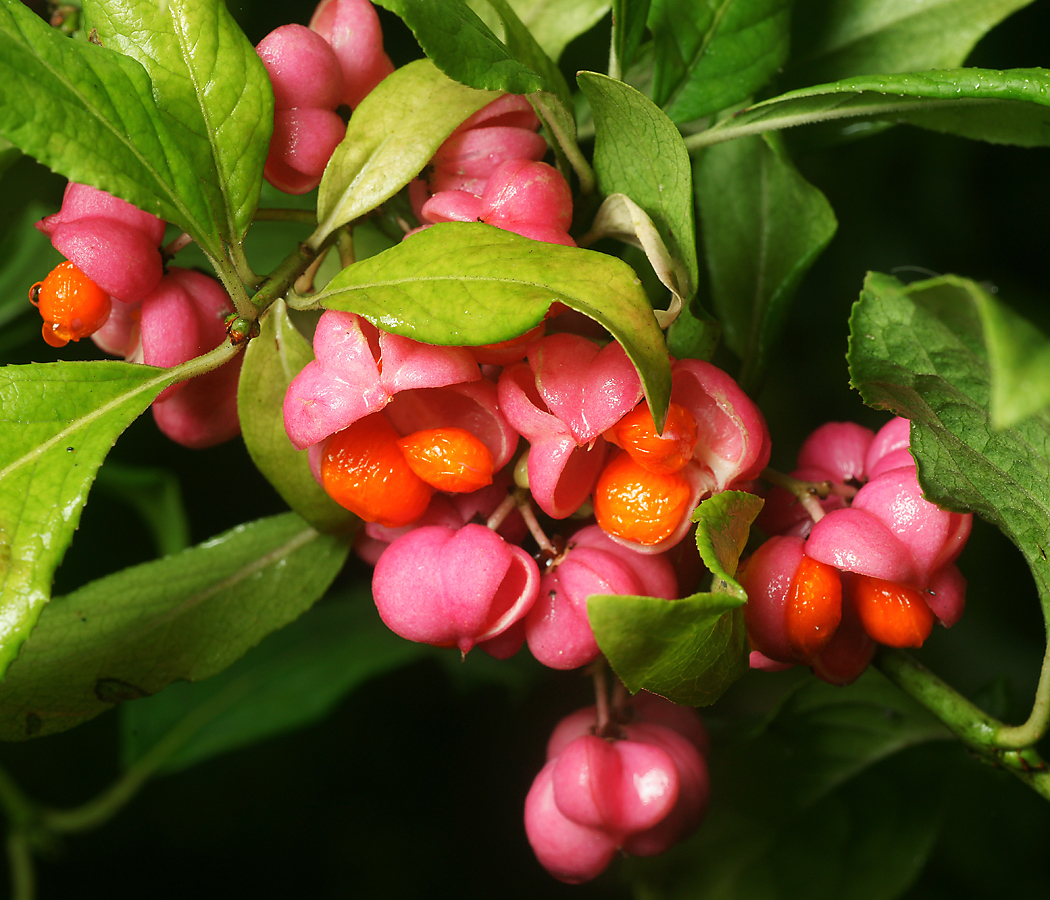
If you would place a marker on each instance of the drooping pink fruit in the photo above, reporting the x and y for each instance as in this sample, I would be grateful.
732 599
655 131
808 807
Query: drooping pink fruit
352 29
438 585
113 243
182 318
557 628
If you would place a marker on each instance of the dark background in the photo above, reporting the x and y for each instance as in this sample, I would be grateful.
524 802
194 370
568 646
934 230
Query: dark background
414 786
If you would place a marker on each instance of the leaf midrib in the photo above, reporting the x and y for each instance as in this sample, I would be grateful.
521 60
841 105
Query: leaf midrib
173 198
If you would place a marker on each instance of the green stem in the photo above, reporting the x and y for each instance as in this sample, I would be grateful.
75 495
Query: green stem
974 727
1018 737
19 809
567 142
231 280
102 808
20 859
284 276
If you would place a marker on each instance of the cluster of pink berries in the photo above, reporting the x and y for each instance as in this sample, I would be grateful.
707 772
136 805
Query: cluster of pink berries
115 288
876 565
489 171
336 61
422 442
637 783
502 486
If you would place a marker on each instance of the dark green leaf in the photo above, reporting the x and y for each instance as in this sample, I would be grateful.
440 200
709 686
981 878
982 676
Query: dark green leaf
688 650
155 494
59 421
211 86
629 17
89 113
694 334
392 136
834 39
920 351
1011 107
1019 358
467 283
810 808
186 616
293 678
639 152
554 23
724 523
464 47
711 54
528 52
764 225
271 361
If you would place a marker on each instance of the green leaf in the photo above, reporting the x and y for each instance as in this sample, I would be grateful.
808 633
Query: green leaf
688 650
460 283
639 152
711 54
392 135
834 39
1019 358
211 87
528 52
554 23
186 616
59 421
292 679
464 47
155 494
813 807
724 522
271 361
88 113
920 351
629 18
1011 107
764 225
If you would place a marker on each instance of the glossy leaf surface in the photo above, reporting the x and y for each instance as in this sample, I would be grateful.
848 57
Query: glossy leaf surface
186 616
89 113
391 137
639 152
467 283
1010 107
464 47
211 86
59 421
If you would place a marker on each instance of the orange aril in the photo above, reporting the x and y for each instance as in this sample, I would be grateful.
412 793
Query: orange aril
638 505
892 614
814 607
364 471
449 459
71 304
661 453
